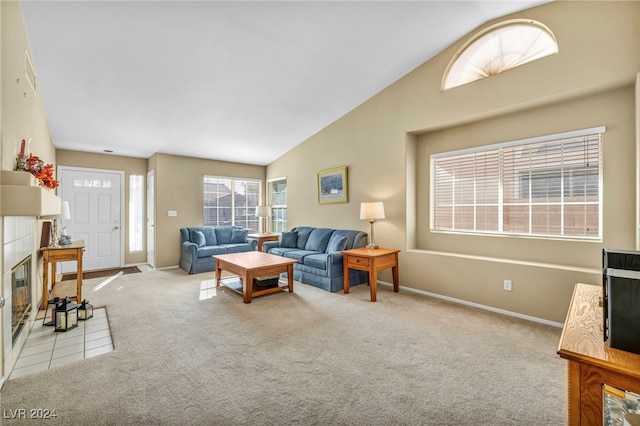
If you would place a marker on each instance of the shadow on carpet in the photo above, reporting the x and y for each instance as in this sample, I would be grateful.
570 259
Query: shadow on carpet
103 273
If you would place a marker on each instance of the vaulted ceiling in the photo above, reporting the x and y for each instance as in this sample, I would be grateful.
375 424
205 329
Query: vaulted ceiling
235 81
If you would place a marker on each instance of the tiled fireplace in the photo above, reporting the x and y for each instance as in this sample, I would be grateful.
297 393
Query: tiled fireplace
20 285
20 297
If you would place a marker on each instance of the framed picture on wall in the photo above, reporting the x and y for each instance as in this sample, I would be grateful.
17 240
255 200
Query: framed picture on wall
332 186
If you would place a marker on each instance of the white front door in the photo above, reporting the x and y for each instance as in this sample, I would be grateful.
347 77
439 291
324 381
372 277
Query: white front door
151 220
95 200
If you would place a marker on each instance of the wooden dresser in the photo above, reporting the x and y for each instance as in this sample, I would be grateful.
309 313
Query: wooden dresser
591 362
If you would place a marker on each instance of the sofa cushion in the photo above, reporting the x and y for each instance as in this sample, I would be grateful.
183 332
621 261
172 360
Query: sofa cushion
299 255
350 235
236 248
303 235
239 236
197 237
209 251
318 261
224 234
280 251
289 239
318 239
209 235
336 243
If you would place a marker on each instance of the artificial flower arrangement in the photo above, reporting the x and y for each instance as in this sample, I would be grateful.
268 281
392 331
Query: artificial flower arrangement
38 168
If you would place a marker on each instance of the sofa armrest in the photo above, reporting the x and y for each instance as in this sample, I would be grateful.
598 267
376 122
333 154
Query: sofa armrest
253 243
189 251
334 264
268 245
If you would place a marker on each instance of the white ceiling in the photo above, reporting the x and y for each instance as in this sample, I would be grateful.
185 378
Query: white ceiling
235 81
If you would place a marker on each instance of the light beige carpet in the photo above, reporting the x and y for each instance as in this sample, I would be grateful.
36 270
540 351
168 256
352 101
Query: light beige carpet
87 275
308 358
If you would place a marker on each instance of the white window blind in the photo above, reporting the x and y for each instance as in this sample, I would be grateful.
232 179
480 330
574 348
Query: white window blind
549 186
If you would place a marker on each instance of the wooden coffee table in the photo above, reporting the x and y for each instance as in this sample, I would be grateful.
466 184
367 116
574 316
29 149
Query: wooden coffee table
254 264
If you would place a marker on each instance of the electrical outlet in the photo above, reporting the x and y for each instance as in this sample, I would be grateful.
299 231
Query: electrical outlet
507 285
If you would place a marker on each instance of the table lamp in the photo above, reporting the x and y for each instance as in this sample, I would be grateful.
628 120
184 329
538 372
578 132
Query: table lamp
372 212
65 214
263 212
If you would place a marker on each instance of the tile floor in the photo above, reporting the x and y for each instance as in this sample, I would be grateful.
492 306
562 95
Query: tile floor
47 349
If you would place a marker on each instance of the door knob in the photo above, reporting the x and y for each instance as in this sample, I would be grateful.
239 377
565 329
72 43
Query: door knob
115 228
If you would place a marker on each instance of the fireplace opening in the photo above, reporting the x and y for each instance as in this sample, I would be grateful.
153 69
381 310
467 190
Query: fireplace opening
20 296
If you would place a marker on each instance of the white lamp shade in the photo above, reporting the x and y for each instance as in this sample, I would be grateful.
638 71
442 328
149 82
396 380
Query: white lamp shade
263 211
66 212
374 210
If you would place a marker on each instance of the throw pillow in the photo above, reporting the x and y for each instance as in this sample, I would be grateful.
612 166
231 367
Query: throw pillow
239 236
198 238
337 244
289 239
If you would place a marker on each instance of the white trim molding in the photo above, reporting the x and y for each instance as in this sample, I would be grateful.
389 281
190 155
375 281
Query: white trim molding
477 305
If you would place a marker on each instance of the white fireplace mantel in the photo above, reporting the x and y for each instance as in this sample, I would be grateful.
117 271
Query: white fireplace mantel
21 196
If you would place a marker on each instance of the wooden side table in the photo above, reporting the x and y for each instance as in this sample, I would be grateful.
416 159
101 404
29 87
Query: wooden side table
262 238
591 361
51 255
372 261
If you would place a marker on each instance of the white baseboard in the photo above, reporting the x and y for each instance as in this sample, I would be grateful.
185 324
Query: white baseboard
477 305
167 267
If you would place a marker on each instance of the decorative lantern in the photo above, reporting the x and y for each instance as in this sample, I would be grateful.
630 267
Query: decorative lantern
51 313
66 315
85 311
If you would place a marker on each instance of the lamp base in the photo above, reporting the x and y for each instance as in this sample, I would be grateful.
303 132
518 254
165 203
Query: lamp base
372 246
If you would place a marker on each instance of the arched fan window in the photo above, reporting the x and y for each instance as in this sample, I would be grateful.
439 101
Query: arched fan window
498 48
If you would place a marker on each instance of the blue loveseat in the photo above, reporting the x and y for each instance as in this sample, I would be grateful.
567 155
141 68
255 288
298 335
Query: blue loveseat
318 252
199 243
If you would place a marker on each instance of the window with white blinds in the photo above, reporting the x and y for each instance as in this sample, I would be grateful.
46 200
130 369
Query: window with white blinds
231 201
549 186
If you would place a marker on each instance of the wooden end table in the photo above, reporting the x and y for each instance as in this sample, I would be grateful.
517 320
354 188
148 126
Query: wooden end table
263 238
51 255
591 361
254 264
372 261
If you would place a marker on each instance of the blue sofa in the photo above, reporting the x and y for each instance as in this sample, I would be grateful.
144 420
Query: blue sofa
318 252
199 243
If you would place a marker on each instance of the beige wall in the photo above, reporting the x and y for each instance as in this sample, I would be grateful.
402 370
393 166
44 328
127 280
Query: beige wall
130 166
179 187
613 108
384 142
22 116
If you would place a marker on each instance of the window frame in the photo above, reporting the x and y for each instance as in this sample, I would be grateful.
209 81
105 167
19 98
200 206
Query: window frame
136 213
508 193
248 208
464 61
278 222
